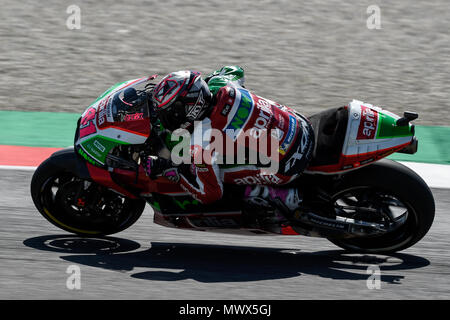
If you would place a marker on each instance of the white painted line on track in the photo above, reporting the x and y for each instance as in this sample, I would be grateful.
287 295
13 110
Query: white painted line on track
435 175
27 168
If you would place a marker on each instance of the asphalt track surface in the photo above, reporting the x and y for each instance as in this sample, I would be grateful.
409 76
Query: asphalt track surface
310 56
148 261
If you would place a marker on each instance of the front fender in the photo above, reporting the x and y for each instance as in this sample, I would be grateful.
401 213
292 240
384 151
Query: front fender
68 160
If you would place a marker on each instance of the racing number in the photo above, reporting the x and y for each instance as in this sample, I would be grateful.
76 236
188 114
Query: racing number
87 125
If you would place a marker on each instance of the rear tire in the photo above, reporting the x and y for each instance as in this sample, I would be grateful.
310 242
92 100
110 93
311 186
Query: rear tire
396 180
97 212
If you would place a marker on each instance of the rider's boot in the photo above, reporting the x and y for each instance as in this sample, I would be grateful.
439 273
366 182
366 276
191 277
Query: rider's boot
286 200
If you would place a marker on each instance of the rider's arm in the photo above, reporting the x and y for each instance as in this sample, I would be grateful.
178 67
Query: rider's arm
203 179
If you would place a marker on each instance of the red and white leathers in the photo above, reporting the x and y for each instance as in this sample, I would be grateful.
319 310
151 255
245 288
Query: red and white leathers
242 123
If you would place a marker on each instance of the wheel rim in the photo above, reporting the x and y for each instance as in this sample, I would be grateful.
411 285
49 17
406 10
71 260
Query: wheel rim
386 208
81 206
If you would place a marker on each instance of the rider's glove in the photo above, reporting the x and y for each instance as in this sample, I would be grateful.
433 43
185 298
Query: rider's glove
154 166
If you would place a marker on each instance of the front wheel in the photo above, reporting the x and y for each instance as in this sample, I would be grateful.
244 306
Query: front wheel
385 192
80 206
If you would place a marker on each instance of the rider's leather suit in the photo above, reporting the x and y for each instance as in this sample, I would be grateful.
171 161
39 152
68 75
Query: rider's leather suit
244 122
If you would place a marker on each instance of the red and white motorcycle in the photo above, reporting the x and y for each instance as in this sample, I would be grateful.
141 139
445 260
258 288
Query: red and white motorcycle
352 195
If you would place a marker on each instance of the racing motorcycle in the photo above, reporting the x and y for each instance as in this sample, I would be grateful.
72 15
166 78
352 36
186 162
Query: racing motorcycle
352 194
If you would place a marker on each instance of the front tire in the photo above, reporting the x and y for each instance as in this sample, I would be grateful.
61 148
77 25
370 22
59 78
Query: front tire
394 184
80 206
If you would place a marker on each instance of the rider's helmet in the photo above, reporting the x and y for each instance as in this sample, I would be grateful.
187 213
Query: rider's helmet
181 98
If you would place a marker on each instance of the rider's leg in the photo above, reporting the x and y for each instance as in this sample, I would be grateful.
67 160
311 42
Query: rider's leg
296 160
286 199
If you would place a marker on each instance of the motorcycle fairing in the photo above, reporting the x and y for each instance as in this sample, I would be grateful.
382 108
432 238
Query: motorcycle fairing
371 133
104 126
224 216
230 222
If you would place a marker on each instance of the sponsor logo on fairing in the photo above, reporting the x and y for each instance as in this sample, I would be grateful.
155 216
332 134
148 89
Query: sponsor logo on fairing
87 126
101 112
134 117
368 123
86 157
109 113
99 146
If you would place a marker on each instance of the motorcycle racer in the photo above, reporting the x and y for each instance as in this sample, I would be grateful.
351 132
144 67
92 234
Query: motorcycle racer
220 102
352 195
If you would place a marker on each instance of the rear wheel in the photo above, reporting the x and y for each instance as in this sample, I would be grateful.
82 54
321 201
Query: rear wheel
80 206
389 194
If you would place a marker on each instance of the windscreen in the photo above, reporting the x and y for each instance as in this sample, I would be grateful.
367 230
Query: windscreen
129 104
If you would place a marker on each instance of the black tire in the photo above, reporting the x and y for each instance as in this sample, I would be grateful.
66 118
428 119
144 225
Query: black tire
54 206
399 181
